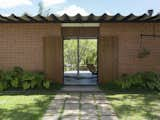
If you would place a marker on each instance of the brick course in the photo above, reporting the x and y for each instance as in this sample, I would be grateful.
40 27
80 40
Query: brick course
22 45
129 45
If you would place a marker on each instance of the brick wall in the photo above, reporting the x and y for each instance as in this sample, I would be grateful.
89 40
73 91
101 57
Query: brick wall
22 45
129 45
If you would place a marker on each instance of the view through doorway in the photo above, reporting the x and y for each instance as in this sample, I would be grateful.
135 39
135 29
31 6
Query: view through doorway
80 61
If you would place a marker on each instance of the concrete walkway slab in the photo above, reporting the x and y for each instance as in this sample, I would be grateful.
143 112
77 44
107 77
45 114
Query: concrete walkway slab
80 106
80 89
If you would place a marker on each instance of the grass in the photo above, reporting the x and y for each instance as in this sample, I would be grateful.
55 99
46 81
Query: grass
135 105
24 107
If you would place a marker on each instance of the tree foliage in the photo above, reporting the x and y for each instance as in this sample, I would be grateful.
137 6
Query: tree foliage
42 10
87 53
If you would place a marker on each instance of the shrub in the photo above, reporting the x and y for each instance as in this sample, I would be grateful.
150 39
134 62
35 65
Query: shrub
18 78
39 78
36 80
128 81
46 84
18 70
1 86
15 82
3 82
147 80
152 80
28 80
26 85
13 77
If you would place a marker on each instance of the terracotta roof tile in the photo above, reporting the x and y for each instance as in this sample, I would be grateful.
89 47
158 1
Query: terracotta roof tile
78 18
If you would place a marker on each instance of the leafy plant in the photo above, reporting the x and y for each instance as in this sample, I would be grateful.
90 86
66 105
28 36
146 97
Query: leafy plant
147 80
33 83
35 79
26 85
1 81
27 76
18 78
152 80
39 78
1 86
15 82
46 84
18 70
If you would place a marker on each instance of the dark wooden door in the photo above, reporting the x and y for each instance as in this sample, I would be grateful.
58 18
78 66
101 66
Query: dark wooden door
53 58
108 58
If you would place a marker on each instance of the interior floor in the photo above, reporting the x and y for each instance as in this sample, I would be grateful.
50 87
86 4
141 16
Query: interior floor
84 78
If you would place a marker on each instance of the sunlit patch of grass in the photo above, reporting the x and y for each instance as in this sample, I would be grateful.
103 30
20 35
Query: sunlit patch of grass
23 107
136 106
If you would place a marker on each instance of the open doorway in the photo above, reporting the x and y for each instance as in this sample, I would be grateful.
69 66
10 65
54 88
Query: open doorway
80 61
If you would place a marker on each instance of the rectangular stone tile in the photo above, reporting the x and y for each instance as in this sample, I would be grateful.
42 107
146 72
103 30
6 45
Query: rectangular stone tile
58 101
87 98
69 117
73 97
100 98
88 109
86 95
109 118
53 111
69 101
55 103
54 108
105 109
77 94
88 112
70 106
103 105
89 117
74 94
99 94
87 101
71 112
88 106
101 101
51 117
60 96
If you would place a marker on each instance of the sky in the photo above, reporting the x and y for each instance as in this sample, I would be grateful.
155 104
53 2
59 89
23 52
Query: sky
84 7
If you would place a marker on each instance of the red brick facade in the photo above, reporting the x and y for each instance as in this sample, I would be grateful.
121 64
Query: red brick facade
129 45
22 45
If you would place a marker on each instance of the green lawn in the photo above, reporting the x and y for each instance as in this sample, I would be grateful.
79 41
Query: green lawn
24 107
135 105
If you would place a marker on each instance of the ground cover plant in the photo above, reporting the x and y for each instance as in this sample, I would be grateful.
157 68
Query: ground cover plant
140 80
17 78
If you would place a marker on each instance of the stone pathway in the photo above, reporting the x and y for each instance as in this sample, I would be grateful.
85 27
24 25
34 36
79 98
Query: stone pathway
80 89
80 106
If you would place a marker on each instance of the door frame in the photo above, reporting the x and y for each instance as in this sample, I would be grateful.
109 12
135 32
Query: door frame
78 38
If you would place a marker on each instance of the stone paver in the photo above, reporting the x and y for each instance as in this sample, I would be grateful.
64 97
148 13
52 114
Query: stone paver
80 106
80 89
109 118
73 117
93 117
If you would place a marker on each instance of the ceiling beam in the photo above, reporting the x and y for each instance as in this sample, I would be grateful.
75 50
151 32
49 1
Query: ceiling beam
80 24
